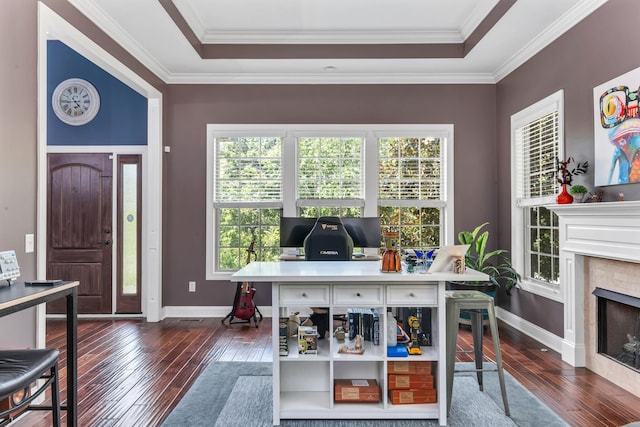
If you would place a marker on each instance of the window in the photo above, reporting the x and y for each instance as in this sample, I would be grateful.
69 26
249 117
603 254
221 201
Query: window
330 176
401 173
537 134
410 189
247 198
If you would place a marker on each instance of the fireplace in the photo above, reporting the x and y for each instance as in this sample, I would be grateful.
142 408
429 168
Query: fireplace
618 327
600 248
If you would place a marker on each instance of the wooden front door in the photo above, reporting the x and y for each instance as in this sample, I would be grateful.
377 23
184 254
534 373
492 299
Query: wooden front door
79 228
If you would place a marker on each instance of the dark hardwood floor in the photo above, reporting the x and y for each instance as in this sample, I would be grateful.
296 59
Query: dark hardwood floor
132 373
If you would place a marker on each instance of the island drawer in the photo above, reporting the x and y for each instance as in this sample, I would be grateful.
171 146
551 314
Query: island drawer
358 295
413 295
307 295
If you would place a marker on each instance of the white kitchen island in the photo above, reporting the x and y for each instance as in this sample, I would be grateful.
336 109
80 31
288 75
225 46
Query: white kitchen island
303 383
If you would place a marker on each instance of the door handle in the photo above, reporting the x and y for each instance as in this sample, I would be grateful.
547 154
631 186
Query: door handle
105 242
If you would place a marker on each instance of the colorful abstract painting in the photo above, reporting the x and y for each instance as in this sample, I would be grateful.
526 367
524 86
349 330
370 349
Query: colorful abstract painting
617 130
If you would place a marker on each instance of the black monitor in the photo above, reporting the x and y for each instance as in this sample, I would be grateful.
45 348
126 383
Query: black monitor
365 232
293 230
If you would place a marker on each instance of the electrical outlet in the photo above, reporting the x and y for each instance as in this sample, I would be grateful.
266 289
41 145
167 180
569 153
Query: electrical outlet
192 286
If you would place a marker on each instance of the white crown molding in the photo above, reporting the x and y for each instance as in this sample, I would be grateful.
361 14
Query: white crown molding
115 31
333 78
296 36
559 27
481 11
192 18
564 23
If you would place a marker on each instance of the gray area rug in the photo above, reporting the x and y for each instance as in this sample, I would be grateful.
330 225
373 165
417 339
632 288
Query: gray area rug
238 394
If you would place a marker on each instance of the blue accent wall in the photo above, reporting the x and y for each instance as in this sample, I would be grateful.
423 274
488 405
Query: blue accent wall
122 119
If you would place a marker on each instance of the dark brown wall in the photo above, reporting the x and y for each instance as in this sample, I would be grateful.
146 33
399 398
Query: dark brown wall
596 50
471 108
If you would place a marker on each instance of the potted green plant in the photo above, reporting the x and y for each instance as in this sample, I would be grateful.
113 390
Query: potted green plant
494 263
578 192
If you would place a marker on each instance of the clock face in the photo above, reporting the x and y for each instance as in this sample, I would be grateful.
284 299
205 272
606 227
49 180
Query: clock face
75 102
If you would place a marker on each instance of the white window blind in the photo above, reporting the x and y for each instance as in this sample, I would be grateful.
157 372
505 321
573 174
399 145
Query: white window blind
537 134
257 174
248 169
330 168
537 151
410 168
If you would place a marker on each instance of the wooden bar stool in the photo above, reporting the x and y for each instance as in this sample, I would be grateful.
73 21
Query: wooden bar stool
19 369
474 302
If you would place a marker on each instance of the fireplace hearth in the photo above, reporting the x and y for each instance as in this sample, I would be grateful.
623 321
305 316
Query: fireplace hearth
618 327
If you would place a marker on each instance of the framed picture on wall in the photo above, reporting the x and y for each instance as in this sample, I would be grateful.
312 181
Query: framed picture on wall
617 130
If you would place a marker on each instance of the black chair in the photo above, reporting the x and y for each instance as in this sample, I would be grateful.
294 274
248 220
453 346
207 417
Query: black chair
19 369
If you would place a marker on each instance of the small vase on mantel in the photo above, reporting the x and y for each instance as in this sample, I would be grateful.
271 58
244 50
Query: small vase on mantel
564 198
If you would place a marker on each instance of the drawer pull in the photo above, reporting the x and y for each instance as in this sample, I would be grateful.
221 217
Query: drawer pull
412 295
304 295
358 294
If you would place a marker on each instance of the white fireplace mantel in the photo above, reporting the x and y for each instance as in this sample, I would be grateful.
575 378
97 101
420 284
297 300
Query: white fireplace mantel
606 230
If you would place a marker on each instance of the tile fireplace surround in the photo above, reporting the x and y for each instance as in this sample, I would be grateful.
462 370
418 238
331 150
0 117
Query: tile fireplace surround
599 246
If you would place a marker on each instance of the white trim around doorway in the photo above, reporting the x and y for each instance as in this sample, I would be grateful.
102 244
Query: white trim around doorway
52 26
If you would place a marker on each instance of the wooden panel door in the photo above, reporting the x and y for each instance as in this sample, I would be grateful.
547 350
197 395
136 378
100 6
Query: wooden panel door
79 239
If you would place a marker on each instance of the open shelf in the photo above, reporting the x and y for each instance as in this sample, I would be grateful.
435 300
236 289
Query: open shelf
305 385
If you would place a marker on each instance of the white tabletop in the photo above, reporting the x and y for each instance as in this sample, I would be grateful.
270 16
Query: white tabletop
340 271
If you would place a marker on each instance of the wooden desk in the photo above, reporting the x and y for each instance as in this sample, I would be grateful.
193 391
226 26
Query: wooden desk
19 297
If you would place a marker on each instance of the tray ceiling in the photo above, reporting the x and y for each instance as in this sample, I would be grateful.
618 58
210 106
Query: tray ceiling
334 41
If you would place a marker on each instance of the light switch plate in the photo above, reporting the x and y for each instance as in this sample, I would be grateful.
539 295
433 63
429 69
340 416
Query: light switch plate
28 243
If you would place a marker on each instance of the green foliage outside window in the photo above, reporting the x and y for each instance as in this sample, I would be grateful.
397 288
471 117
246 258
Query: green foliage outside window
331 169
418 227
411 169
544 248
235 235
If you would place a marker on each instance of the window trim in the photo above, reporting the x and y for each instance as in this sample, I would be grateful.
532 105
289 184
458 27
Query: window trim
370 133
553 102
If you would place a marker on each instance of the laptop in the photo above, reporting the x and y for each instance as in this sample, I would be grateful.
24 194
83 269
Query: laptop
47 282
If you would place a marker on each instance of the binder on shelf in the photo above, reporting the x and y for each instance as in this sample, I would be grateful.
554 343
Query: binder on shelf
364 322
284 336
376 327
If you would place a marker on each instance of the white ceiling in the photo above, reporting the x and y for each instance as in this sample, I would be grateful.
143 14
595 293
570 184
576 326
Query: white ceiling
147 30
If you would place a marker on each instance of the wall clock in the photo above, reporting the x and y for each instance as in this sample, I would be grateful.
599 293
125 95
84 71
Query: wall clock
75 102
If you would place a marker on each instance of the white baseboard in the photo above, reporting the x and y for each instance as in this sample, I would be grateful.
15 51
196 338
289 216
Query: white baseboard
204 311
545 337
